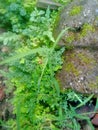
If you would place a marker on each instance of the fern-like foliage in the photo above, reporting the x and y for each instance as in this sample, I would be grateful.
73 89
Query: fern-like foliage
9 37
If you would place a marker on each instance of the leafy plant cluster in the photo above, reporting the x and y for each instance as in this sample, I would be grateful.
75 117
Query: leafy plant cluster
39 103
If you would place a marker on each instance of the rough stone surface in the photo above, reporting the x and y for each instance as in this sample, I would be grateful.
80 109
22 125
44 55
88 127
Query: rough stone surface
80 68
79 12
82 17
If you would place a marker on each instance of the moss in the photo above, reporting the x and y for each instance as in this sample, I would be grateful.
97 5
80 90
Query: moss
85 59
70 68
75 10
94 84
85 29
70 38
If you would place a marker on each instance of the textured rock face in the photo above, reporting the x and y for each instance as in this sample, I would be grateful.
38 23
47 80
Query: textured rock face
82 17
79 12
80 68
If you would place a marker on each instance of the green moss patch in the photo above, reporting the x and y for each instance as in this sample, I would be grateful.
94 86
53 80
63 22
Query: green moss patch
85 29
70 38
94 84
70 67
75 10
84 58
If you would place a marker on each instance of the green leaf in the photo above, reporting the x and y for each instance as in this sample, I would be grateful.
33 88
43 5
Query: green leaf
22 12
14 7
96 107
23 54
85 101
49 35
7 37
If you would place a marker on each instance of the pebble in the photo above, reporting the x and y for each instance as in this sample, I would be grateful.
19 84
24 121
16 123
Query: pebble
95 120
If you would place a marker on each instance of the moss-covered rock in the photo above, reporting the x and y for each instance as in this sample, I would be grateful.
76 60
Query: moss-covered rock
82 17
80 68
79 12
80 71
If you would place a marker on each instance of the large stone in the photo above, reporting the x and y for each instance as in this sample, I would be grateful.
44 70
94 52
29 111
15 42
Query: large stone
79 12
82 17
80 68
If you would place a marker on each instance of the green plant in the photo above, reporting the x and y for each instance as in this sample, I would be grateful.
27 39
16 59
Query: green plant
15 14
38 101
35 75
43 106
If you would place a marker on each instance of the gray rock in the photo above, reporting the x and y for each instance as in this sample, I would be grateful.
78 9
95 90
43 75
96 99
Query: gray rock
80 67
79 12
80 71
82 17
